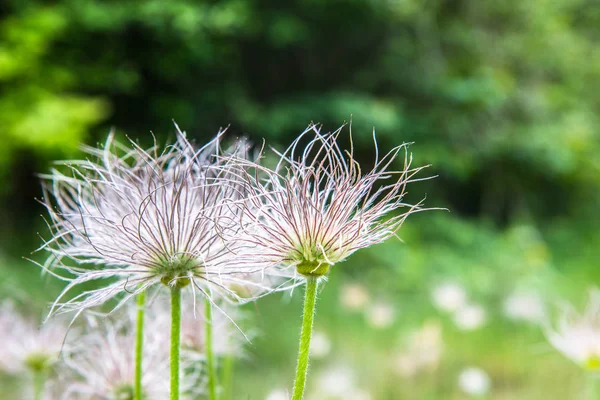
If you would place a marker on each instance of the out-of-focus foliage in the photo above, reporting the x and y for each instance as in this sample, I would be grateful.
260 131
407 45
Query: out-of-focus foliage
501 97
40 107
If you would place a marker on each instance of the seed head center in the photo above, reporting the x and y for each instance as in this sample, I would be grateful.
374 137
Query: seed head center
593 363
177 270
313 268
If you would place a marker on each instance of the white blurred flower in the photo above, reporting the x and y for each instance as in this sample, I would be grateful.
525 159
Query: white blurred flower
103 362
359 394
577 336
354 296
336 381
406 364
474 381
423 352
449 296
521 306
27 345
381 315
320 345
55 388
278 394
470 317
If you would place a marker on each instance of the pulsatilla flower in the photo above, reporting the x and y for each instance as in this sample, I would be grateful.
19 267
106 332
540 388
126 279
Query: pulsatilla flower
317 206
102 364
577 335
27 346
144 217
33 352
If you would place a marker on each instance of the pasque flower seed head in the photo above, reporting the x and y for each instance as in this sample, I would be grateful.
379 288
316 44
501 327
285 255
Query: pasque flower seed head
143 217
317 206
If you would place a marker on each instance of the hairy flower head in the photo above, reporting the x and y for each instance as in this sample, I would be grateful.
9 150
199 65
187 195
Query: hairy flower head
27 345
102 362
142 217
317 206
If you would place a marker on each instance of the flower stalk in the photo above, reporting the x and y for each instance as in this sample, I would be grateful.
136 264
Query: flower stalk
210 361
308 316
39 380
175 340
592 386
139 345
227 378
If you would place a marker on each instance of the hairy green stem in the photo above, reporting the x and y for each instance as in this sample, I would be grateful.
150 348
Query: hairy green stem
39 380
308 316
208 343
175 340
139 345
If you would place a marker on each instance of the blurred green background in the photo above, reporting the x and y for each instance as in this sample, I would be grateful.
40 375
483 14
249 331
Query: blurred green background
502 98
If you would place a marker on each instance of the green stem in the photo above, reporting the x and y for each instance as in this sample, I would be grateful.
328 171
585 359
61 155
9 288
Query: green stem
139 345
310 300
39 379
175 340
208 343
592 386
227 377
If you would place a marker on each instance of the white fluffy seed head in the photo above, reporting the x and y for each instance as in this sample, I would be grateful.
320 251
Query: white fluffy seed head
102 362
317 206
27 345
142 217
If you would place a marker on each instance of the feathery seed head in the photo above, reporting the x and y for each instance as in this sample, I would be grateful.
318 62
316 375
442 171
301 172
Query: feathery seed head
103 361
146 217
26 345
317 206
